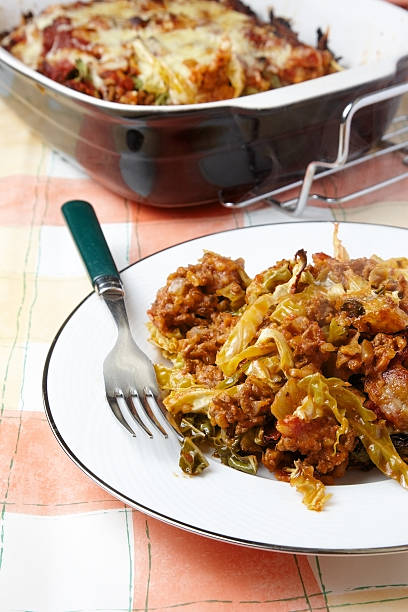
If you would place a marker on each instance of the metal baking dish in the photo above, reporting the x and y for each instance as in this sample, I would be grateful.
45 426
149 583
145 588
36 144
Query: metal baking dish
187 155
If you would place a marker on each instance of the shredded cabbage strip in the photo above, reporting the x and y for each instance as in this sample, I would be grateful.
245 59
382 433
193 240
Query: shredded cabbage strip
243 332
313 490
373 434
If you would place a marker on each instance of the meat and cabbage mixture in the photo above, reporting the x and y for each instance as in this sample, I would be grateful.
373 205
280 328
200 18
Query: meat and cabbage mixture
303 368
166 51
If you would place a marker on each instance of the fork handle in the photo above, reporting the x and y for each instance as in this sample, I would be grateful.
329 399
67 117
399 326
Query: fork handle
92 246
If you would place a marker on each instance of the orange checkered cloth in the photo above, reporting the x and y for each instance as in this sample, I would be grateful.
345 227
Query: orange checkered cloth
65 544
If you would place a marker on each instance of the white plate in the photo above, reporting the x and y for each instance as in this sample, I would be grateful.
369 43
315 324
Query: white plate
222 503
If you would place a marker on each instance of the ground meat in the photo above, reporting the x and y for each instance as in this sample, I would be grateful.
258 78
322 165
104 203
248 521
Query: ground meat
212 81
200 345
274 460
389 392
245 409
205 374
363 266
225 410
315 440
203 341
193 294
383 349
310 347
369 357
323 263
320 309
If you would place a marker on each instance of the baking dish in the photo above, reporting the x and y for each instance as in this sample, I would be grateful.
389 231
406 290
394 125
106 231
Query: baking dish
190 154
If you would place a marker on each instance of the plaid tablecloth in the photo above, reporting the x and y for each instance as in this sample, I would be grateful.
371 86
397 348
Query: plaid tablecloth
65 544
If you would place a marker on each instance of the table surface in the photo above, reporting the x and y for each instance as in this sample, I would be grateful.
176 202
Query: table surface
65 544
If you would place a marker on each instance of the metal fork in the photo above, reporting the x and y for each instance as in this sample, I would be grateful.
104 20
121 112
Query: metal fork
130 378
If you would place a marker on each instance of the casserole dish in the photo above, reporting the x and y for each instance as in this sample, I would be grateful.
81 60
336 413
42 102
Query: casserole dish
189 154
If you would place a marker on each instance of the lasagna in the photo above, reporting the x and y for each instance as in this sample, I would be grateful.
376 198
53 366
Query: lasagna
165 51
302 369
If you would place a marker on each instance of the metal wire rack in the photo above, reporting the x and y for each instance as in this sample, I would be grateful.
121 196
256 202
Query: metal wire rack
396 139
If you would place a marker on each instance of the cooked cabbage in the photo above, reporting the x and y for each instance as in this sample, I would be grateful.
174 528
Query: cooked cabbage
284 377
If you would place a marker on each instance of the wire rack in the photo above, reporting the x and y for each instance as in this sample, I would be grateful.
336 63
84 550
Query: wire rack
395 140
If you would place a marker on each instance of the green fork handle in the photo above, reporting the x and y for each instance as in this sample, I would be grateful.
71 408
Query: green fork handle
92 246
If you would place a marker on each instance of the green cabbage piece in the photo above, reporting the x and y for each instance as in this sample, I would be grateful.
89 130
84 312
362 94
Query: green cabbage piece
309 398
246 328
287 399
171 378
319 402
289 307
355 283
266 281
373 434
236 297
285 353
84 73
339 250
251 352
231 381
247 463
168 344
264 346
196 426
266 368
191 399
252 440
192 460
227 450
337 332
289 287
243 333
312 489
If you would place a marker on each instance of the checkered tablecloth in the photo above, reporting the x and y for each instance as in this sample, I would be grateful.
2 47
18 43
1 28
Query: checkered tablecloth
65 544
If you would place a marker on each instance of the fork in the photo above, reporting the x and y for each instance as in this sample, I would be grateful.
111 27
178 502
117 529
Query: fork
128 373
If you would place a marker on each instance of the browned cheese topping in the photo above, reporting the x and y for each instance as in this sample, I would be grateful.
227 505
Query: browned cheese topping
165 51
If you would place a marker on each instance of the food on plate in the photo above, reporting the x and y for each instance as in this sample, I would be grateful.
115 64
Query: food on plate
303 368
166 51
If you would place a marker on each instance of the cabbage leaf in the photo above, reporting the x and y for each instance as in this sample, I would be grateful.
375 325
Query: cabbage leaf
266 368
284 350
246 328
373 433
191 399
266 281
319 402
168 344
287 399
243 333
289 307
192 460
312 489
172 377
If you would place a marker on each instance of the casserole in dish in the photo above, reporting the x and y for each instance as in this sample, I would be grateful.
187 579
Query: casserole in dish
187 154
155 52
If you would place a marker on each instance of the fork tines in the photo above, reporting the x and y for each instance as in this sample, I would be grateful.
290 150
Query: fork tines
142 408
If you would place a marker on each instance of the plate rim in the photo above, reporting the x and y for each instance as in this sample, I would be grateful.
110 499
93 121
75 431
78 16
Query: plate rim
158 515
